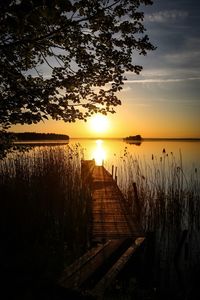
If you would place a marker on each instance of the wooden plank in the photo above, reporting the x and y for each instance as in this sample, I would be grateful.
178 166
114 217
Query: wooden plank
80 262
101 286
83 272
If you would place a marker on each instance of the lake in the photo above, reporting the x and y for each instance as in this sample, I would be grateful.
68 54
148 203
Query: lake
111 151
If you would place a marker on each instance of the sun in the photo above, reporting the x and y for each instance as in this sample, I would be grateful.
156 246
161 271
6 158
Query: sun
99 123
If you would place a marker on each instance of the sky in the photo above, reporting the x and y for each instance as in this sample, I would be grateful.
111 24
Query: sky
164 100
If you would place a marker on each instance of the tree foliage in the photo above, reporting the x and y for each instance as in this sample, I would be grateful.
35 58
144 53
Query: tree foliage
66 59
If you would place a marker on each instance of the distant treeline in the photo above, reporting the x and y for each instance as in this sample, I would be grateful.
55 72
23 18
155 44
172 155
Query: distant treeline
28 136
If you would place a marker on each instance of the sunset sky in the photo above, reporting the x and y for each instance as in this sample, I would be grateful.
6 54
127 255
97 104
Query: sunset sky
164 100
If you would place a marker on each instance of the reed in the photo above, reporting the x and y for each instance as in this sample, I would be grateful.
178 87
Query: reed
167 204
43 210
168 196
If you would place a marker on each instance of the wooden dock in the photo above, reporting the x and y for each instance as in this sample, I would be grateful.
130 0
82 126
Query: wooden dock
111 218
113 233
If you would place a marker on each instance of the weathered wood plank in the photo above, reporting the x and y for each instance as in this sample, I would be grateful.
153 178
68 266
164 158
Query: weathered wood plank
80 262
101 286
74 277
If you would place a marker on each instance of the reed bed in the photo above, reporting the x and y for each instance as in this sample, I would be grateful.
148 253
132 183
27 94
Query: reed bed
43 211
167 195
165 199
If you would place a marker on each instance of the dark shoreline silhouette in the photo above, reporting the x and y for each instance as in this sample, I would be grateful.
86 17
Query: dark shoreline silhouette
34 136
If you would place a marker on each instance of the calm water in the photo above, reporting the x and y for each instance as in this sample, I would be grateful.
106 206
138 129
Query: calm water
112 151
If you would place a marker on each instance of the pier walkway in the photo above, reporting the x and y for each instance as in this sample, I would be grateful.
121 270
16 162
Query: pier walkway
113 233
111 218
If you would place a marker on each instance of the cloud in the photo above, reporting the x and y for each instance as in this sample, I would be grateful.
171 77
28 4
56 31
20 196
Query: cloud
143 104
158 80
166 16
188 57
193 42
126 88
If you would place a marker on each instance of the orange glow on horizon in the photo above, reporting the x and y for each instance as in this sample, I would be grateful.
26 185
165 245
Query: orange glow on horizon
128 120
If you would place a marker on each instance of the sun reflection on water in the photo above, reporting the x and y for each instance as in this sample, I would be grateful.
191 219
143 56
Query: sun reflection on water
99 153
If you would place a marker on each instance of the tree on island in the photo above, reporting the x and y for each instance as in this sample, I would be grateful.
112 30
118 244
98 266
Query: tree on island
66 59
136 137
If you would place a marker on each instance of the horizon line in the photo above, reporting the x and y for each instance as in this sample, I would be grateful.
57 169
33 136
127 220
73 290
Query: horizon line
143 138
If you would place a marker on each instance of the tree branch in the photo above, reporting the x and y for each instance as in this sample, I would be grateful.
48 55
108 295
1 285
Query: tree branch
50 34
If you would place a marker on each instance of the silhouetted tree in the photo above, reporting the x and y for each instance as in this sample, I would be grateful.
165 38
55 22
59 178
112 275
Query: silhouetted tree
58 56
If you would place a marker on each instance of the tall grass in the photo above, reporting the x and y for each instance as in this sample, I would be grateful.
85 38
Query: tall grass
43 211
167 195
167 202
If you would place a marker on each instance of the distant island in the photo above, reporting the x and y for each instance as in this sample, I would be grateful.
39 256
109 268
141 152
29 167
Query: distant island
138 138
133 138
34 136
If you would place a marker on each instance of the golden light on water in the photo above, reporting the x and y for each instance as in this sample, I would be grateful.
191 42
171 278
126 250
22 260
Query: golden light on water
99 153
